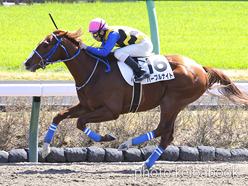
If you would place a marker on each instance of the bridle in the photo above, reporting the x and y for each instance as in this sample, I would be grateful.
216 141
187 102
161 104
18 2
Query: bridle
44 62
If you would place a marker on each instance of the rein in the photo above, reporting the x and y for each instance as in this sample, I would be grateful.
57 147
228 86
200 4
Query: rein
106 63
44 62
98 59
78 88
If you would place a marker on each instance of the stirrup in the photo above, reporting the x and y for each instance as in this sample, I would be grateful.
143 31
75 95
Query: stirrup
142 77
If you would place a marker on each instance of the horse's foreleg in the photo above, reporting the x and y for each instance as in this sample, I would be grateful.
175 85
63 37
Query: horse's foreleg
99 115
96 137
72 112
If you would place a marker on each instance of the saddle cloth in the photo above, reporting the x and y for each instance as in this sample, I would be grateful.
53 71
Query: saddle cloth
157 65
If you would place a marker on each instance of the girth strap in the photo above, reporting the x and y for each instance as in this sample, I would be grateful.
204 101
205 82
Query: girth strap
137 94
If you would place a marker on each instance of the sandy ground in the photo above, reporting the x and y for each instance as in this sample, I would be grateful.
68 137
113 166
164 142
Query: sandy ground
162 173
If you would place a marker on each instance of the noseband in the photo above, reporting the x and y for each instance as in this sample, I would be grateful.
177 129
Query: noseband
44 62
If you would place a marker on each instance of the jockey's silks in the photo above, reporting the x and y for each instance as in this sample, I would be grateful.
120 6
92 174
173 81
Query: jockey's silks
128 35
118 36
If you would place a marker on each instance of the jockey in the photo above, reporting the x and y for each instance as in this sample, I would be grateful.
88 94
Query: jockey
131 42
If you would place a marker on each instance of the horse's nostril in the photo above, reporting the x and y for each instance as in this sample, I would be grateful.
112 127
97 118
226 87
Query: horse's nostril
27 64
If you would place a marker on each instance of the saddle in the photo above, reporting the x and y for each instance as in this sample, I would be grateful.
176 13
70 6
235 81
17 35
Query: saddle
157 65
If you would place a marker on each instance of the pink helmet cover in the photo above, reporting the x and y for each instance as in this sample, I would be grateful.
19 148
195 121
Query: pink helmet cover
97 24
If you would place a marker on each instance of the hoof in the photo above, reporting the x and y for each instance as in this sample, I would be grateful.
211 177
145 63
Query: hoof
45 153
125 145
111 137
143 168
45 150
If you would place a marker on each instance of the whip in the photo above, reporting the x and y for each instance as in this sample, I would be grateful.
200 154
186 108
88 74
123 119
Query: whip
53 21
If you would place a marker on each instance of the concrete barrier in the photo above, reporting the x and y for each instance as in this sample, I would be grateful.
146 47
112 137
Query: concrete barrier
40 89
96 154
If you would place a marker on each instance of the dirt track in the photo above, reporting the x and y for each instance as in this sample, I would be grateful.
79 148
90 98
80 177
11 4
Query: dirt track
162 173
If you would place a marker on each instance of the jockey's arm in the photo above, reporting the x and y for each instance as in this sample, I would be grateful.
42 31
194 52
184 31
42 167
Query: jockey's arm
113 37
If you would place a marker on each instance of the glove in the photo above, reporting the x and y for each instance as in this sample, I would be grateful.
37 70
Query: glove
83 46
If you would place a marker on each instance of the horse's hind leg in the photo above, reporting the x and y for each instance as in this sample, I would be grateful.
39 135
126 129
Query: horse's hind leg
165 129
170 108
184 90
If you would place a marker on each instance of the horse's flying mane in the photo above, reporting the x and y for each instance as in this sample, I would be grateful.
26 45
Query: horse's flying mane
70 34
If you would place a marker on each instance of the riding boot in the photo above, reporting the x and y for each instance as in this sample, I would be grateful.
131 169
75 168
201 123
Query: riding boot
140 73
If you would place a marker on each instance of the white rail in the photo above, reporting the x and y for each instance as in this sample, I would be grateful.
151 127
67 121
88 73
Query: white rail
64 89
37 90
43 89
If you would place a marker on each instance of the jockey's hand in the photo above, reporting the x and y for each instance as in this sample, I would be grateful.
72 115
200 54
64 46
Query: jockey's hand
83 46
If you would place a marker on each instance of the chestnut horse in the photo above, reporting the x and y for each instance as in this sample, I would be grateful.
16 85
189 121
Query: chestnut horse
103 96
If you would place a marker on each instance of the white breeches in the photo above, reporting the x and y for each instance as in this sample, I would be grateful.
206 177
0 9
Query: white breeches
143 48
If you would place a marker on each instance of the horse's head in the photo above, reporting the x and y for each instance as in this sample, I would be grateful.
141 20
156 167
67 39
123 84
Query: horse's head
50 50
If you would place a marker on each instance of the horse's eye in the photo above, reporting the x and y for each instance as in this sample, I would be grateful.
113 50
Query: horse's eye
45 45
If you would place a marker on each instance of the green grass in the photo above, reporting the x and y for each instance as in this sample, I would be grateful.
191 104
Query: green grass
211 33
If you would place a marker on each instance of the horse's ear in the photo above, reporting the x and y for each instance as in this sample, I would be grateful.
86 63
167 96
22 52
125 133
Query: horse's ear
62 34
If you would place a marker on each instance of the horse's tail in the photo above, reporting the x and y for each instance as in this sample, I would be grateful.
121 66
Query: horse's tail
226 87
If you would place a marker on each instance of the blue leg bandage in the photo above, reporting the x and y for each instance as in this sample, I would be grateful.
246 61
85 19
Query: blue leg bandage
155 155
50 133
92 135
141 139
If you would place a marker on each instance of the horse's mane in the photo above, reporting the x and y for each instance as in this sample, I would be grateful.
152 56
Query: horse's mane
75 35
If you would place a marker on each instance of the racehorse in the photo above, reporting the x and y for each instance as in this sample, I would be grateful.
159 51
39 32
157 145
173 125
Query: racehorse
103 96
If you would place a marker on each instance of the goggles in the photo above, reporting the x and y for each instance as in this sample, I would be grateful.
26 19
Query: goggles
94 35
